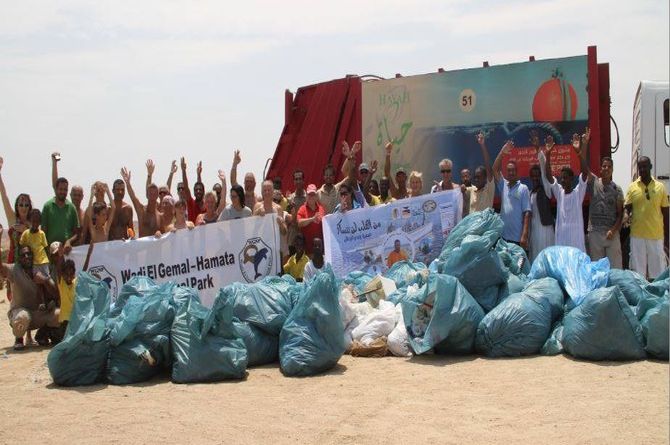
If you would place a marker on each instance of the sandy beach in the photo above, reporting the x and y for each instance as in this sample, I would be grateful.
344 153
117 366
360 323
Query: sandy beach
423 400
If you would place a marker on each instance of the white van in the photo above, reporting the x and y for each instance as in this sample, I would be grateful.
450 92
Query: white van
651 134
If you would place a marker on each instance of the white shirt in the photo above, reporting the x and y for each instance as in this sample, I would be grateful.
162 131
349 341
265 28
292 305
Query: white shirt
569 217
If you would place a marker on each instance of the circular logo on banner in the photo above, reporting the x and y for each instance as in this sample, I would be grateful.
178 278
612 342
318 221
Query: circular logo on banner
102 274
255 260
467 100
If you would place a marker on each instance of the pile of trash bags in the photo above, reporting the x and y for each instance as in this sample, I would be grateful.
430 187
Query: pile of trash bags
481 295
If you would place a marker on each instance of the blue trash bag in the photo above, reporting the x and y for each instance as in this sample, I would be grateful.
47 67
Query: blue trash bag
262 348
312 339
554 344
630 283
358 279
441 315
660 287
513 257
573 269
521 324
477 223
140 335
603 327
655 328
266 304
182 295
81 358
478 267
205 345
404 273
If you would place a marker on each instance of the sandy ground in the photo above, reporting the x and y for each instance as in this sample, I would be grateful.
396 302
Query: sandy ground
423 400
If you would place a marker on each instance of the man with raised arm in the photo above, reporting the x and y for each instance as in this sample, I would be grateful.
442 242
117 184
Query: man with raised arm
605 211
76 192
569 198
123 217
482 190
148 217
250 197
60 221
514 200
196 205
398 186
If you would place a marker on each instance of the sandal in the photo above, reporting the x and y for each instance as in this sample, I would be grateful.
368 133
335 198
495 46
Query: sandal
18 344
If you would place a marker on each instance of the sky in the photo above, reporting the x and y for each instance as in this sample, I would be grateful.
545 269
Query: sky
114 83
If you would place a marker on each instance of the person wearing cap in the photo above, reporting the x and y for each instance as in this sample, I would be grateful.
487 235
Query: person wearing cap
309 219
399 186
31 289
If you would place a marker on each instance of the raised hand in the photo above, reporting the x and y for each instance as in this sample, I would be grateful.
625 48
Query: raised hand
356 148
236 157
346 151
183 163
150 167
2 161
373 166
481 138
507 148
199 168
55 156
125 175
549 144
586 137
173 168
222 176
388 147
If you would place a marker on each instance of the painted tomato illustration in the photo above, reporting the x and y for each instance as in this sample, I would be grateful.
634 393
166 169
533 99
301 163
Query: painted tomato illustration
555 100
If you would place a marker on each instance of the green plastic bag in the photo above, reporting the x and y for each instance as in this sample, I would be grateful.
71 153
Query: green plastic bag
81 358
603 327
205 345
442 315
312 339
139 334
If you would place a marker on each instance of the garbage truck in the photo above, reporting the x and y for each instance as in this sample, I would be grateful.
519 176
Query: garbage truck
437 115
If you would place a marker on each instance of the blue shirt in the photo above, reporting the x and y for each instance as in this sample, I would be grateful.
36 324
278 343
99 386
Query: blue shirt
514 202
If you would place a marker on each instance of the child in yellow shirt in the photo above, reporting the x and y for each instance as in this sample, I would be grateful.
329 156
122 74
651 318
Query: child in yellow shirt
295 266
35 238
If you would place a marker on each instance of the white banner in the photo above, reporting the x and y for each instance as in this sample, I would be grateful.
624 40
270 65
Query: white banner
415 228
206 258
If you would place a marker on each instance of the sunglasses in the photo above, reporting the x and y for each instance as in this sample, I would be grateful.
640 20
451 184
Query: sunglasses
446 170
163 193
23 204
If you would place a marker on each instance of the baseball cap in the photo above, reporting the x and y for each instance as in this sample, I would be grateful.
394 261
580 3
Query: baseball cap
401 170
311 189
53 248
363 166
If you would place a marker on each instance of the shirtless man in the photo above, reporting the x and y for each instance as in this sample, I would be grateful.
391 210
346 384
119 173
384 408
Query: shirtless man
250 198
97 196
148 217
123 216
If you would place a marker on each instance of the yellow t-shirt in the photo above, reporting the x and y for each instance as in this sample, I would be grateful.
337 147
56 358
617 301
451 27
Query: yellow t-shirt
647 201
388 199
38 243
296 268
66 299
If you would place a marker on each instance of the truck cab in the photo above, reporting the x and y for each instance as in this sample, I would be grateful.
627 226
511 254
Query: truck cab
651 134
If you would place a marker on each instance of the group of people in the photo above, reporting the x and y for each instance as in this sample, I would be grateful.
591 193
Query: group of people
42 280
